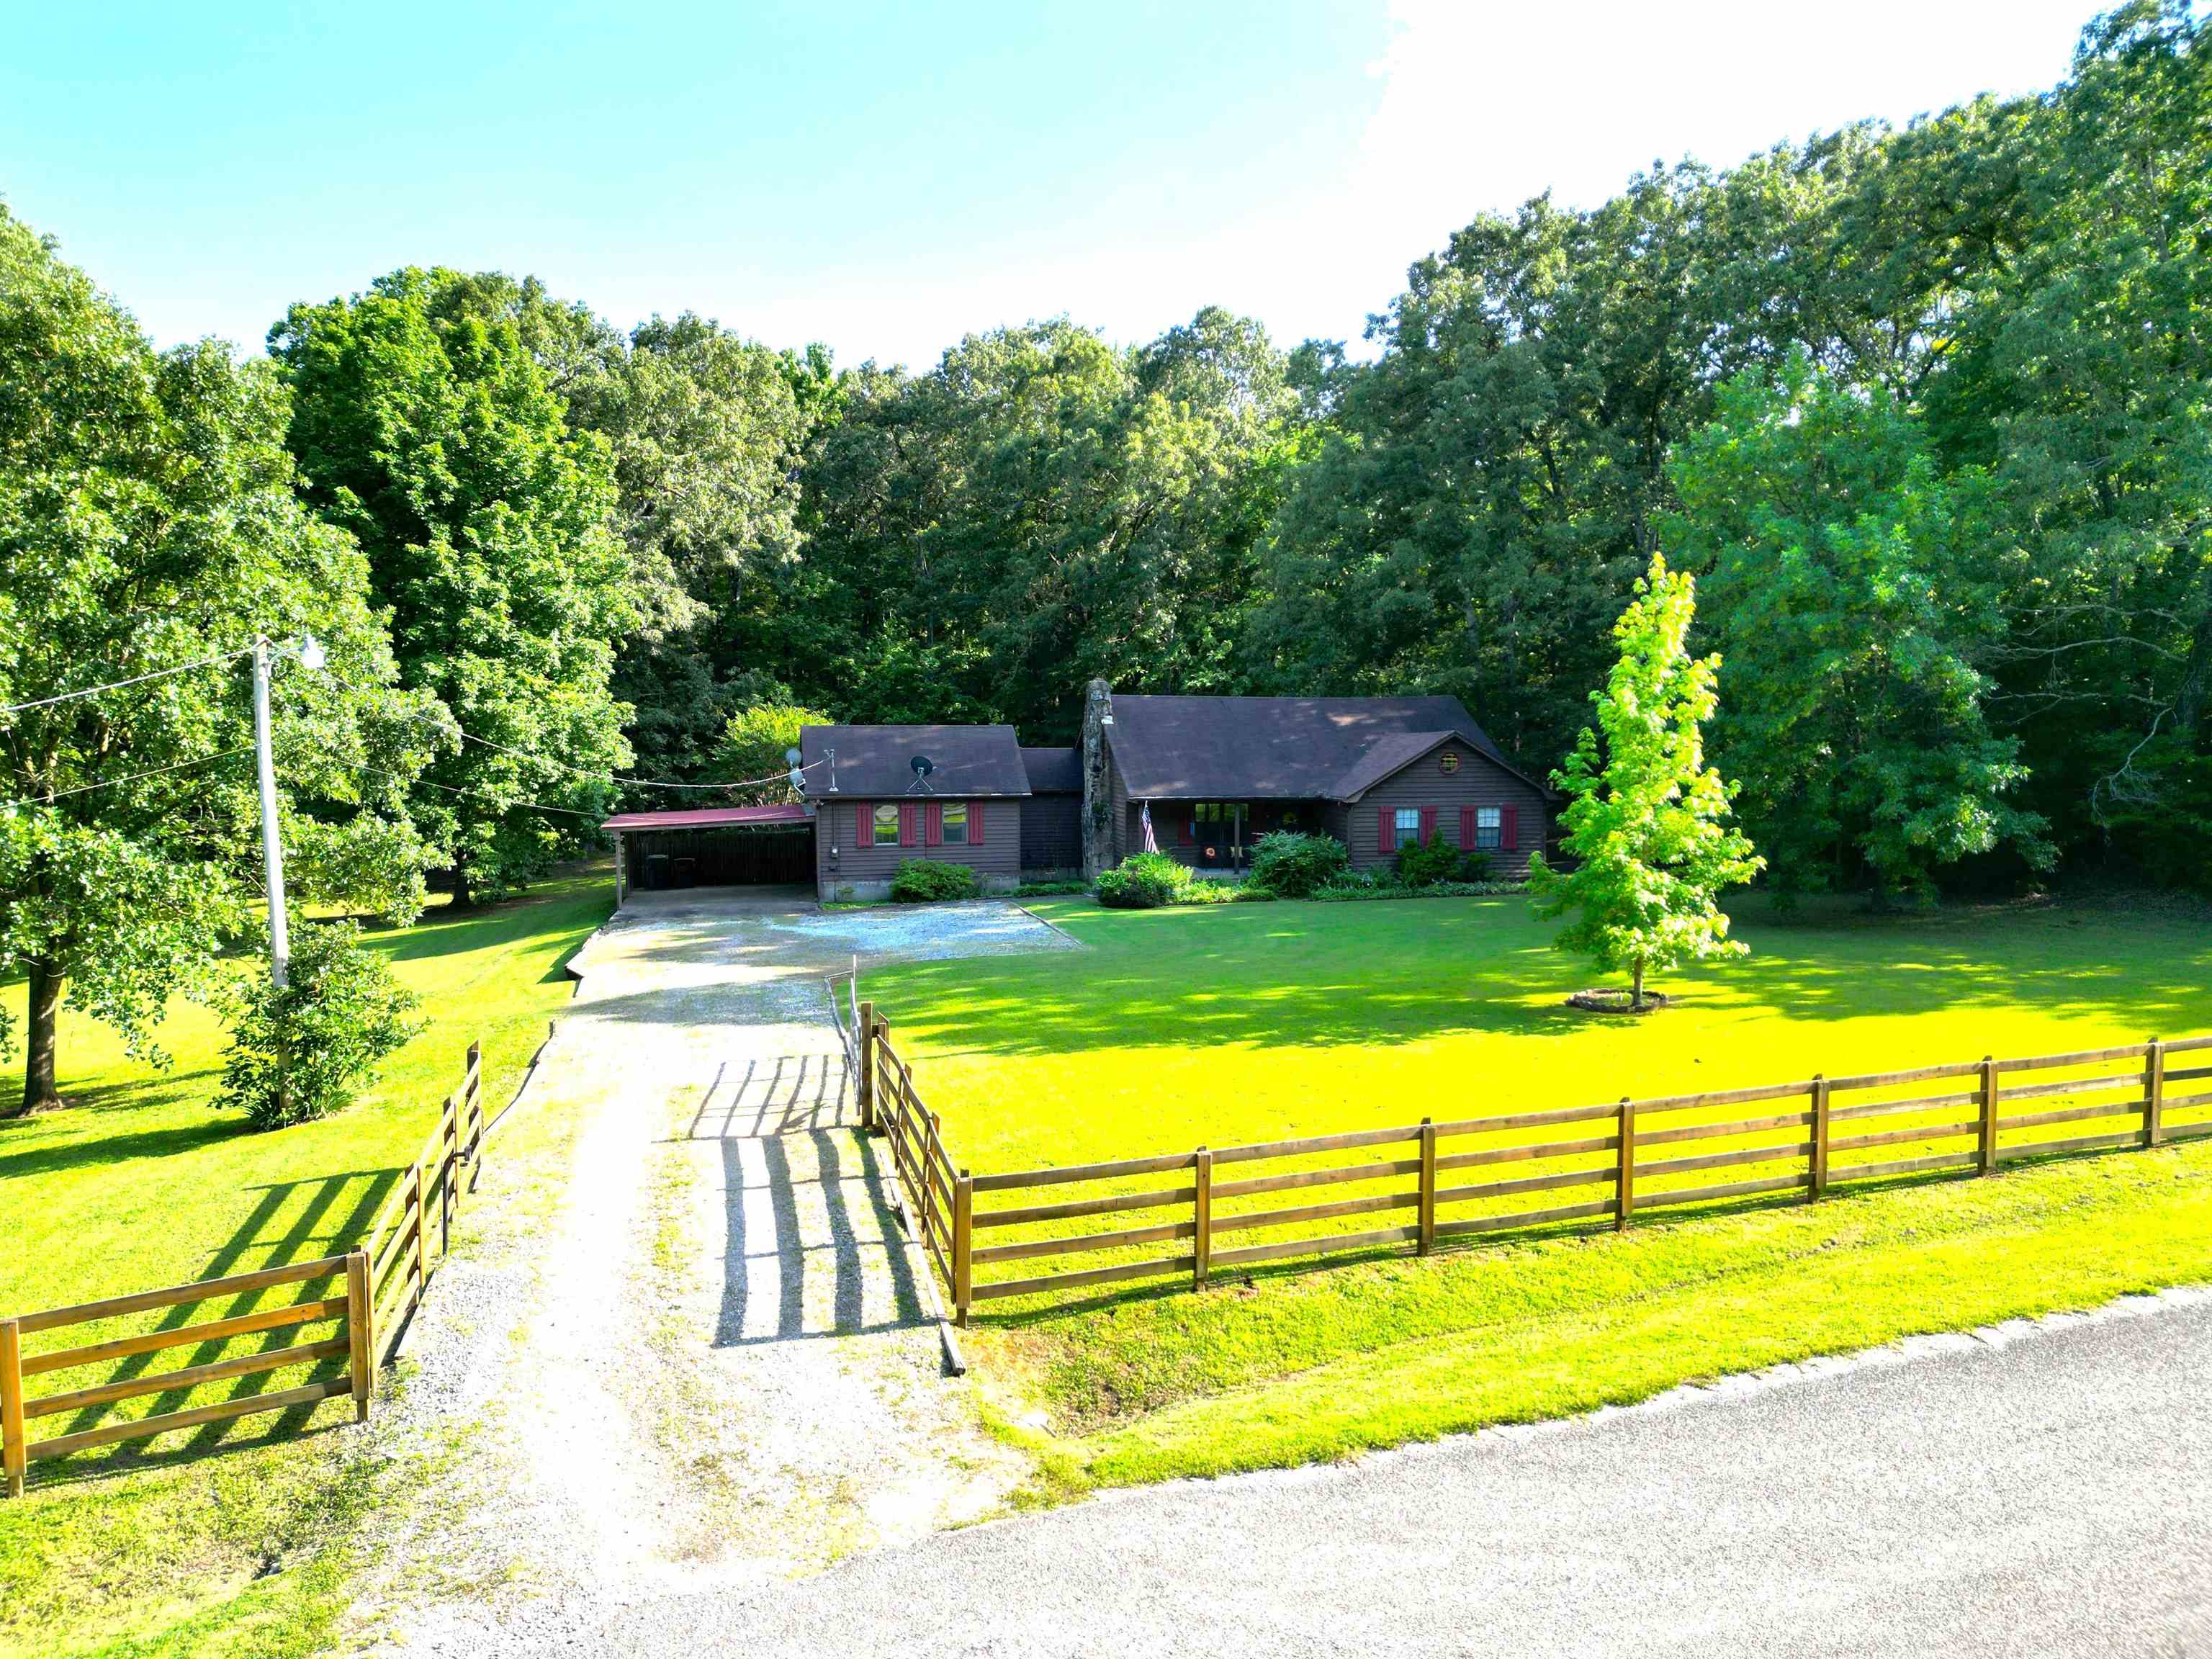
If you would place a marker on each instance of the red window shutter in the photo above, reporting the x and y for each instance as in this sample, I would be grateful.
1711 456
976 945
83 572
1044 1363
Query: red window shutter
865 834
909 824
1466 827
975 824
1428 825
1509 828
1189 831
1386 830
933 824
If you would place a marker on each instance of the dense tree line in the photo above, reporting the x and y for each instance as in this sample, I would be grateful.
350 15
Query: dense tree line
1927 412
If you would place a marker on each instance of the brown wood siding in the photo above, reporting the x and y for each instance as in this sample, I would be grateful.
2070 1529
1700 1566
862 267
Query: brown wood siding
1478 782
1052 833
837 826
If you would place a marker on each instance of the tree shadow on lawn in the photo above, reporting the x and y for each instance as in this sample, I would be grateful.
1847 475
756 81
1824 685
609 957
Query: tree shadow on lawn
1283 986
321 1216
83 1143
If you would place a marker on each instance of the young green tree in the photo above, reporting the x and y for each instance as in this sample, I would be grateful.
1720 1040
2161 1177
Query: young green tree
149 523
423 421
1646 820
1856 594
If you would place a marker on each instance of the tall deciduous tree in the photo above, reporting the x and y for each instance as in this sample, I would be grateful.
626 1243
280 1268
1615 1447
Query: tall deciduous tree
1856 594
707 431
1040 508
148 521
1646 820
425 423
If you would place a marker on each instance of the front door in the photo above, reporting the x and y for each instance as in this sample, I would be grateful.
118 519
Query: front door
1217 832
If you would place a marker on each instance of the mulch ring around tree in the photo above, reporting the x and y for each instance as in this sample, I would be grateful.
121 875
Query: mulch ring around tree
1610 1000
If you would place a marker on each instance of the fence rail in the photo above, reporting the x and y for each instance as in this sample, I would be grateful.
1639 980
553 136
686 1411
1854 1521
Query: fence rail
364 1292
1639 1156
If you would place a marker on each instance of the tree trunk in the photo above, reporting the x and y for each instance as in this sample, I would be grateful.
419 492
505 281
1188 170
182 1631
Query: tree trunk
1636 997
39 1093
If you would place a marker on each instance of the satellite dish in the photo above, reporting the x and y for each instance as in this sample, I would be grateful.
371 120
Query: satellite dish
791 758
923 765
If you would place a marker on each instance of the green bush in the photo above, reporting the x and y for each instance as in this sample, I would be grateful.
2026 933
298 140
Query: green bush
308 1050
1198 890
1427 862
1291 864
1145 881
925 881
1050 889
1385 884
1473 866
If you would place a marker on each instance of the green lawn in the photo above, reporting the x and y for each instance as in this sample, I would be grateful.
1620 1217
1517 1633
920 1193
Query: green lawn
1179 1028
140 1183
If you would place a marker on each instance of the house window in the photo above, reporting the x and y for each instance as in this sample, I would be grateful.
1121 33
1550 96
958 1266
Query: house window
1407 821
956 824
886 822
1489 830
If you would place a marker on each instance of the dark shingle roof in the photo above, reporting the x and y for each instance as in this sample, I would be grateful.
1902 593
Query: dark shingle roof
876 761
1280 748
1053 771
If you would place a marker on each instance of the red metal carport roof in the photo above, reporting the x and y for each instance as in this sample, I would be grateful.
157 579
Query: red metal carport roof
707 817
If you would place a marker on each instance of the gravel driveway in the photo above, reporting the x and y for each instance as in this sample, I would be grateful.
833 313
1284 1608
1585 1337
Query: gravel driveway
692 1352
2041 1491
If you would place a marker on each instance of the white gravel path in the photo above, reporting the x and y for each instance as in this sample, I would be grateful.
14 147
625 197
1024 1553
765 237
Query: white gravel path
689 1354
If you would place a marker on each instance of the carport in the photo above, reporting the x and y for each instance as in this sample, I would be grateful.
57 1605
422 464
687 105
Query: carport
713 846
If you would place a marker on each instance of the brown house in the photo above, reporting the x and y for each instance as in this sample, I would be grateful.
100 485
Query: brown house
881 795
1213 774
1209 775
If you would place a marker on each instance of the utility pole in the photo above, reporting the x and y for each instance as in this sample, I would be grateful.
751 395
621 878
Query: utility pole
272 844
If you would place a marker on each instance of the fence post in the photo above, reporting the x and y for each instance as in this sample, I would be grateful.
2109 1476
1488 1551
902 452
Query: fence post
864 1053
1819 1184
12 1455
470 1128
1428 1200
362 1345
421 1236
1985 1162
1201 1215
963 1245
449 1152
2155 1093
1624 1181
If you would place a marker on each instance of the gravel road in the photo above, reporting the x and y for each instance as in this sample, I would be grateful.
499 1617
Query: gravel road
2038 1490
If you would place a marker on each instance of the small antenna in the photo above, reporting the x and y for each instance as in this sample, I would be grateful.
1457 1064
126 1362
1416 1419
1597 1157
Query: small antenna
833 771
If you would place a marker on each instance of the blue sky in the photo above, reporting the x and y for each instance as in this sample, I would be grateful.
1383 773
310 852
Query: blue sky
887 177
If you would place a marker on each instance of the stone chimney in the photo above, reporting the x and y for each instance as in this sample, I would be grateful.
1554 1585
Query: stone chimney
1097 807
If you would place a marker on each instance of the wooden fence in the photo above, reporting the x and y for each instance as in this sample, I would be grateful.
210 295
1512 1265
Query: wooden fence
1614 1161
356 1298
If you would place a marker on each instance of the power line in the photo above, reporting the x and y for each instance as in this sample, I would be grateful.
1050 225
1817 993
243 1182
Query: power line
117 685
537 806
52 795
610 776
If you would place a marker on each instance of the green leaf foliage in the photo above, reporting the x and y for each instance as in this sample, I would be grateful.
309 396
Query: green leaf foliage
931 881
424 423
308 1050
1856 594
148 520
1645 819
